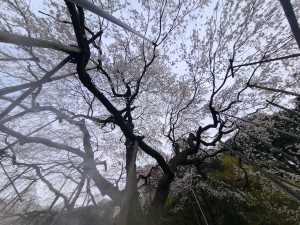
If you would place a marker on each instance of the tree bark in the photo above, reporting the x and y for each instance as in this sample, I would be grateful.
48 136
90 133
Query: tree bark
131 211
160 198
101 183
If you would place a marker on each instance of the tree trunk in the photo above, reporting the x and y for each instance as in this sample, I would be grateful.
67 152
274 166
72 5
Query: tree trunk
160 198
131 211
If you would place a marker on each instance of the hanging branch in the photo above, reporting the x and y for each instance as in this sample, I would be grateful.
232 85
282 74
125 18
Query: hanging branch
25 139
34 42
9 90
14 201
33 87
36 59
27 135
286 109
14 179
267 127
268 60
78 192
274 90
38 171
41 81
11 182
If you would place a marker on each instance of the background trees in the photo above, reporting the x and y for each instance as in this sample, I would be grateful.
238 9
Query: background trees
228 195
72 122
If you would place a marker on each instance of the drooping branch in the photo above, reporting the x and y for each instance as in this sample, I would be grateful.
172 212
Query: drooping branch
11 182
33 87
8 90
90 168
268 60
274 89
78 192
267 127
5 210
44 141
57 196
18 141
89 163
34 42
284 108
14 179
36 59
11 100
42 178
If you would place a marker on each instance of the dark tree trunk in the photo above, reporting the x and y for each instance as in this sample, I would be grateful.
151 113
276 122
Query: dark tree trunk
160 198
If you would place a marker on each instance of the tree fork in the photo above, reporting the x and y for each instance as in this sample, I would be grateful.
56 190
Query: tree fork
87 82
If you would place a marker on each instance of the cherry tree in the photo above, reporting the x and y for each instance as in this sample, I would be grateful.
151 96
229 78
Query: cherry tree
84 102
